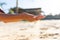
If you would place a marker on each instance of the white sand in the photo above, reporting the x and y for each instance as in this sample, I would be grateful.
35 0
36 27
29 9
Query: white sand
40 30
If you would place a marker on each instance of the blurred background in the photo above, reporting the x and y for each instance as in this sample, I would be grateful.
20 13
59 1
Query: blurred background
49 8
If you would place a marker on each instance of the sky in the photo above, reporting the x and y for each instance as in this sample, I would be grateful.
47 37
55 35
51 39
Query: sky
48 6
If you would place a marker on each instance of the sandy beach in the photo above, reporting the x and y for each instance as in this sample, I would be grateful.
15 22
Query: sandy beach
40 30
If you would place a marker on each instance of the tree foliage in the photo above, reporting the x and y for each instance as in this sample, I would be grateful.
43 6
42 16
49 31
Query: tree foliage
14 10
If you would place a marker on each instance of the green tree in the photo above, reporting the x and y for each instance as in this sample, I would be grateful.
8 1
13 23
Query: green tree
13 10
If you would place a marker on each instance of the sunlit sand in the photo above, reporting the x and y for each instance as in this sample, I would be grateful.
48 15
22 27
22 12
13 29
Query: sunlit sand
40 30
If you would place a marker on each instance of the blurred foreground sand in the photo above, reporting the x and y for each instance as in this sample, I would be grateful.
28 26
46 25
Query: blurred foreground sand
40 30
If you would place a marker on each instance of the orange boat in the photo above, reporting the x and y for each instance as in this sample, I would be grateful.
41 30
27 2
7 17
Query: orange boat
18 17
